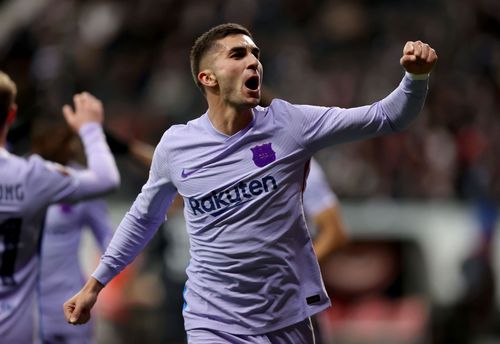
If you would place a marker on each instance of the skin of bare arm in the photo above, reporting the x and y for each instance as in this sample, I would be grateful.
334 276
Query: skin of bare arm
142 152
331 232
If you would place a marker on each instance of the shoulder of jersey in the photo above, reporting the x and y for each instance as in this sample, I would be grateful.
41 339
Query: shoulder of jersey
181 130
49 165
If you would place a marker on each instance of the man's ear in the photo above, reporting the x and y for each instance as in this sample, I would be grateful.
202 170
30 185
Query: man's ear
11 116
207 78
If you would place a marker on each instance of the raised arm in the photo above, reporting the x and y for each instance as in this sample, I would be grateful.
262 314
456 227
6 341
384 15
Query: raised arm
317 127
101 175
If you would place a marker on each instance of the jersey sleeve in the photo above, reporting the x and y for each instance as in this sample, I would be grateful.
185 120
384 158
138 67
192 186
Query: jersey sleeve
101 175
98 219
316 127
318 195
141 221
50 182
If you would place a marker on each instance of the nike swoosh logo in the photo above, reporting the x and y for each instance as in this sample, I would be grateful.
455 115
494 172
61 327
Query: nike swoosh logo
186 173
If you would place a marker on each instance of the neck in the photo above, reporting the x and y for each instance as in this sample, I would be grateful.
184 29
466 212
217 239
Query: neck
228 119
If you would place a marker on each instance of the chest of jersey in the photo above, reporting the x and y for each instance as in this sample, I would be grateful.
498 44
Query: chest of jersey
63 218
253 165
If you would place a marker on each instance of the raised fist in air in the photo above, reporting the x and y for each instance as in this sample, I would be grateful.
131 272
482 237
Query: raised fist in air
418 57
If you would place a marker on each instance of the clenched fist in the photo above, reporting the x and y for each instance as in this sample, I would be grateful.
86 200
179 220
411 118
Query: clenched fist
418 57
77 309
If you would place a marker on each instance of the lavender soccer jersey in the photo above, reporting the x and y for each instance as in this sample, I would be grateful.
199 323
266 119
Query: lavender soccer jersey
252 269
27 187
61 276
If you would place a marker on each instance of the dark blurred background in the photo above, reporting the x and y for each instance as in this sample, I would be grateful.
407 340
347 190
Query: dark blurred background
426 200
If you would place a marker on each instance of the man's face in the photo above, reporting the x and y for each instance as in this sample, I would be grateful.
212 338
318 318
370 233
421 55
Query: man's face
234 62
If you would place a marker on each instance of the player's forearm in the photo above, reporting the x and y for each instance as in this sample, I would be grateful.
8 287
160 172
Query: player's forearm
325 245
322 127
405 102
331 233
101 175
128 241
139 224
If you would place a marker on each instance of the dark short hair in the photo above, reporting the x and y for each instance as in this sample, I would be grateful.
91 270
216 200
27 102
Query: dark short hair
8 92
51 138
206 41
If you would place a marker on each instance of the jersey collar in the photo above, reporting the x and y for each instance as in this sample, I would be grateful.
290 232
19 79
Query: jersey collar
3 152
211 129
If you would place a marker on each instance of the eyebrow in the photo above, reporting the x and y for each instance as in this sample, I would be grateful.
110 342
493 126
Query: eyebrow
241 49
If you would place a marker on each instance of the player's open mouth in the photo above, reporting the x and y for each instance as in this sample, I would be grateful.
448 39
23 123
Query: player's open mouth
253 83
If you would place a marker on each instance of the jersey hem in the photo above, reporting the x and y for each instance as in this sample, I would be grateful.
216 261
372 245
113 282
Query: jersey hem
246 331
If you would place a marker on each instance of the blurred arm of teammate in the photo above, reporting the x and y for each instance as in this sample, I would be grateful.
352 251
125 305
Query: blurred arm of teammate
139 150
331 232
322 208
101 175
142 152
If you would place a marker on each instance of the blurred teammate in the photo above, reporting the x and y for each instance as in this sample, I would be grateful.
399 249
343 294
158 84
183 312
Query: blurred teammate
323 213
27 187
240 168
61 275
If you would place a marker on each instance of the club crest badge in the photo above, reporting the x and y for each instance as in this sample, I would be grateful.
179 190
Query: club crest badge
263 154
66 208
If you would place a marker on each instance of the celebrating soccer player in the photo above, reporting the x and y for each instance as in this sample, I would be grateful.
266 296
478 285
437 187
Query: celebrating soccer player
240 168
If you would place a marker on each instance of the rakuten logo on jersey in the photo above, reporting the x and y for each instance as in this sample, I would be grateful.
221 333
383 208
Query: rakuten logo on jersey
221 201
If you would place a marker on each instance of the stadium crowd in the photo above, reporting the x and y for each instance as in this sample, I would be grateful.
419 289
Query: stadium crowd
133 55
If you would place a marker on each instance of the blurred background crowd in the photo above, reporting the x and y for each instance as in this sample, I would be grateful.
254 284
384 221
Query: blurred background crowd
134 55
